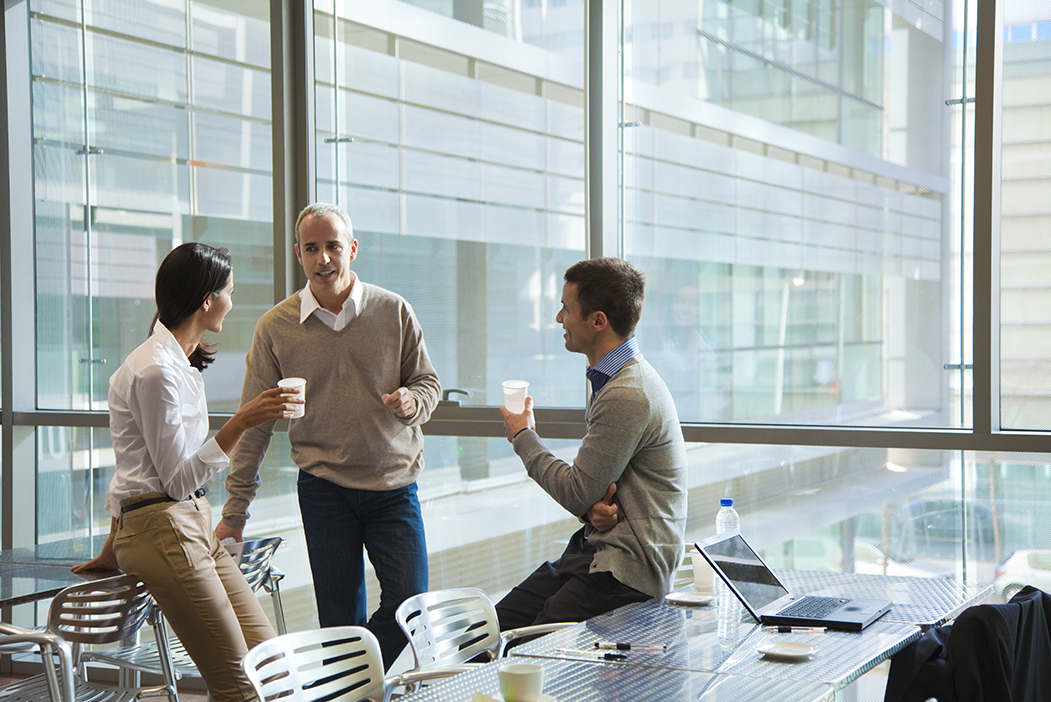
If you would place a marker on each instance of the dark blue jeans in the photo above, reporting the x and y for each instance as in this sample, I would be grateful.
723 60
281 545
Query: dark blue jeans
338 523
565 591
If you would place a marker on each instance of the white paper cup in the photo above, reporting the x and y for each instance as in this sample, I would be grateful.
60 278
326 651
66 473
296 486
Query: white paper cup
703 575
521 682
296 384
515 395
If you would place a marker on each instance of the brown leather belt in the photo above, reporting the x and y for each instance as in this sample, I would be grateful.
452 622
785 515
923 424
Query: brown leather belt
199 492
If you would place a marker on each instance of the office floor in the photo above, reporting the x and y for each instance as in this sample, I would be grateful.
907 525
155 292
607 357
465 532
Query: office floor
186 694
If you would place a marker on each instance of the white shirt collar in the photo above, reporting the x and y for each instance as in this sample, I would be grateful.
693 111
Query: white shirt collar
308 304
167 341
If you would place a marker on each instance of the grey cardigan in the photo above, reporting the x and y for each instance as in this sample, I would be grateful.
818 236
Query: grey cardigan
633 439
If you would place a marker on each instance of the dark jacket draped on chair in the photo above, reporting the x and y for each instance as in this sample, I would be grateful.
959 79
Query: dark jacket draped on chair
991 653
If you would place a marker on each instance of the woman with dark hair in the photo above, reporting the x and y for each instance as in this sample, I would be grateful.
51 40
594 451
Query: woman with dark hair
162 527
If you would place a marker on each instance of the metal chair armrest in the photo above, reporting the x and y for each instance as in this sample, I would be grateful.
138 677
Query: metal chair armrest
11 629
413 678
50 646
510 635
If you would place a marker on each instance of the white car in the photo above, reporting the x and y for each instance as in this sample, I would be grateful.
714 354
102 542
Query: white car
869 558
1026 567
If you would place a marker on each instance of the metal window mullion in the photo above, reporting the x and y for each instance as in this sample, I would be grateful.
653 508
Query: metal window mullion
89 323
987 130
17 285
292 130
601 76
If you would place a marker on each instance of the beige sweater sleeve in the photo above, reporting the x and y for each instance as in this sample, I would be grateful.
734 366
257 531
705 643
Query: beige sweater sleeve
242 483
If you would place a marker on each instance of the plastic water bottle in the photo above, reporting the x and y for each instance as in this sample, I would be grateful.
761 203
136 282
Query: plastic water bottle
727 519
729 608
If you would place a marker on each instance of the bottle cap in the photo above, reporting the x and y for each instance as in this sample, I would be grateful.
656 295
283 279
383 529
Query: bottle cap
726 502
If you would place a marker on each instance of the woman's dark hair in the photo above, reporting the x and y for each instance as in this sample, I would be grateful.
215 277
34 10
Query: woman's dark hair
186 277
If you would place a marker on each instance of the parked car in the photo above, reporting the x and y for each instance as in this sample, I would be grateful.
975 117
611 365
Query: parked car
1025 567
870 558
806 553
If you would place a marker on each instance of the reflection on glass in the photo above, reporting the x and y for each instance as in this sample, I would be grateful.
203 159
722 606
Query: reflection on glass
788 204
129 163
460 158
1025 348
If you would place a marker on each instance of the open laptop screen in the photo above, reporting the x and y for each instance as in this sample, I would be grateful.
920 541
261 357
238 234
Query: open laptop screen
744 569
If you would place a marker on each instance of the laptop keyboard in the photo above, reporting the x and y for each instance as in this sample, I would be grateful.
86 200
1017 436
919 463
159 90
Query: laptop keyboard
811 607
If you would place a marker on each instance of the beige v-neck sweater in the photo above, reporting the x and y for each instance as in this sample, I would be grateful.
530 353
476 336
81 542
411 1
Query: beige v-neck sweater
347 435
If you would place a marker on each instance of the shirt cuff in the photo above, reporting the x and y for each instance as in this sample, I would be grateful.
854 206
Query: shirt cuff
211 454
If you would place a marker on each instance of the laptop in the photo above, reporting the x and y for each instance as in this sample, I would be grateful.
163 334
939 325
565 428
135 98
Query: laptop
770 602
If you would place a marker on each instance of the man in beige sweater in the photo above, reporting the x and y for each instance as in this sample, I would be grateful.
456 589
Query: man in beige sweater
359 447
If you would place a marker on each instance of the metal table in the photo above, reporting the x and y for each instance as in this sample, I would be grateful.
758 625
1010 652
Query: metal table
39 572
699 639
577 681
925 602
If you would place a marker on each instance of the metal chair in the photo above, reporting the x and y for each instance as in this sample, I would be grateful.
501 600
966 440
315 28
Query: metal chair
97 612
451 627
336 664
52 650
254 558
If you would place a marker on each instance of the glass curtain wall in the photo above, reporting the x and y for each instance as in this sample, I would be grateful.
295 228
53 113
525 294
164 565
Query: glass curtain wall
786 187
455 140
130 162
793 184
1025 344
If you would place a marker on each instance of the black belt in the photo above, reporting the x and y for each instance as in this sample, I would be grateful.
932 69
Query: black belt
199 492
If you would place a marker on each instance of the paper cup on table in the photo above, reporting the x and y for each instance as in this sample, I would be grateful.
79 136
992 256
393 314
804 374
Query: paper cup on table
521 682
703 575
515 395
295 384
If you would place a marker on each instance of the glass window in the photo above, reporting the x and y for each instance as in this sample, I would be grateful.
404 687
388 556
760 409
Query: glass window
789 207
1025 334
130 163
460 159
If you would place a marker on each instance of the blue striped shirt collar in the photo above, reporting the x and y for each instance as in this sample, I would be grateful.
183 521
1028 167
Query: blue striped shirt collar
611 364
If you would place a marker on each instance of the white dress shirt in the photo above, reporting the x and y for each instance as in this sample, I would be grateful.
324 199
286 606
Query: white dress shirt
308 305
158 422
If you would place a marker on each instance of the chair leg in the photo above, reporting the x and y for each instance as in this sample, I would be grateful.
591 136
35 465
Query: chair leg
160 634
279 610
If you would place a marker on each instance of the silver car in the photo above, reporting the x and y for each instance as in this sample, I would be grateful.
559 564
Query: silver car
1026 567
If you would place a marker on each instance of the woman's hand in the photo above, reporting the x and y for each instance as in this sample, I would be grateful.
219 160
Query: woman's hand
275 403
104 561
107 559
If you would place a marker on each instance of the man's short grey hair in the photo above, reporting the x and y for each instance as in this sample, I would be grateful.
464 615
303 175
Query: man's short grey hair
323 209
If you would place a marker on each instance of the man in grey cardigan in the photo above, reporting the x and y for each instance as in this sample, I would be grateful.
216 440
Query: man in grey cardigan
633 459
359 447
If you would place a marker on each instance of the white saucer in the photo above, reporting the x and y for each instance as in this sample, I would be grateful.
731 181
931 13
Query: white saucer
786 650
690 599
543 698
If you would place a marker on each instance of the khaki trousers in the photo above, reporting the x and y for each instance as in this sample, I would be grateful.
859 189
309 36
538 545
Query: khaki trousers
171 547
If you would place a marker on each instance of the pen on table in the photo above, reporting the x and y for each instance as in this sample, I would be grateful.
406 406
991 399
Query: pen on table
781 629
594 654
618 646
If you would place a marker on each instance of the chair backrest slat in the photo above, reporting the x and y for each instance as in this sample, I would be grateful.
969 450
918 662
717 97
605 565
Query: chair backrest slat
100 611
254 560
448 627
337 664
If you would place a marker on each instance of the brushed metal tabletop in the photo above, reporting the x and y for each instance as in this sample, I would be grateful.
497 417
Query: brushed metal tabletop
39 572
925 602
698 639
588 681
